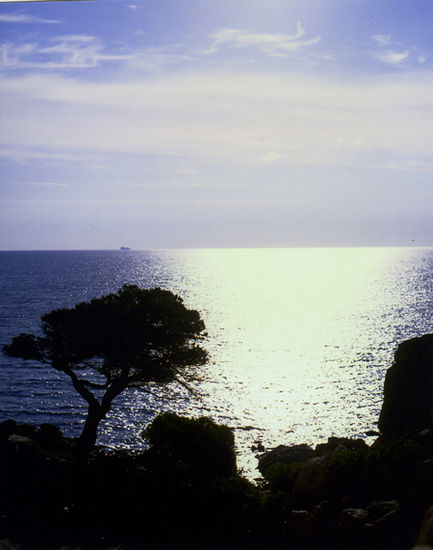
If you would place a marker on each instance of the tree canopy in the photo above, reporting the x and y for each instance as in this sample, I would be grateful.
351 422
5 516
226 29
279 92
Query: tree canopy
130 338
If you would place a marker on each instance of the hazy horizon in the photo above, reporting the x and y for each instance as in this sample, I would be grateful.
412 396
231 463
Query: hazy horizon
216 248
169 125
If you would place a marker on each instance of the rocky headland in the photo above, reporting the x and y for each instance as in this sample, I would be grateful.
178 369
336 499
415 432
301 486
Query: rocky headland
185 490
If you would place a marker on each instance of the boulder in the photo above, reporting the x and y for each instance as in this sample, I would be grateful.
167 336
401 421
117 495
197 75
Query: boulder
6 544
23 452
408 389
353 529
378 511
387 523
27 430
353 516
284 454
28 439
425 535
341 443
20 440
312 482
7 428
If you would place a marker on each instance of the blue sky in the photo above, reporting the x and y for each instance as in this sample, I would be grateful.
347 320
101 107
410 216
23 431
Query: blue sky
165 124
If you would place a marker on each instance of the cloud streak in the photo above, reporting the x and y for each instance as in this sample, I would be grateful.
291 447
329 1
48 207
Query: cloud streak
382 39
242 118
391 52
392 57
43 184
24 18
270 44
63 52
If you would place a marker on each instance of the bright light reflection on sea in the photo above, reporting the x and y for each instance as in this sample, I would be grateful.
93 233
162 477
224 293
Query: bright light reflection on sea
299 339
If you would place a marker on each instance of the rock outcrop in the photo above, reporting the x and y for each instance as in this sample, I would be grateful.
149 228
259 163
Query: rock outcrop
408 390
285 454
341 495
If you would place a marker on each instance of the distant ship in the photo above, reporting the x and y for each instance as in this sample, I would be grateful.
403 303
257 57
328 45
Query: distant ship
125 248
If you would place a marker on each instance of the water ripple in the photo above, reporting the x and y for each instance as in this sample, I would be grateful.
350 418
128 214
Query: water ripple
299 339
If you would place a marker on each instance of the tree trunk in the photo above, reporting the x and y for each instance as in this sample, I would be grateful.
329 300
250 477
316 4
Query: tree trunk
88 437
96 412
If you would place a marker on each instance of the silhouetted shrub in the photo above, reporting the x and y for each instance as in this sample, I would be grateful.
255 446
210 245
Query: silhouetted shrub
197 447
282 477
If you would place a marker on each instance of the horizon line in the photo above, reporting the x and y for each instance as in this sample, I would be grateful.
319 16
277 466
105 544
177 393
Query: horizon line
161 249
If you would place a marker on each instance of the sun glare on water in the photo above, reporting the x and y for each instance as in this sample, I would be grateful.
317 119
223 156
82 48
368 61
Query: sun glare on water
299 339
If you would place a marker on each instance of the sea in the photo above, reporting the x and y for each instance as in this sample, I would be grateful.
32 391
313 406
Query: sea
299 339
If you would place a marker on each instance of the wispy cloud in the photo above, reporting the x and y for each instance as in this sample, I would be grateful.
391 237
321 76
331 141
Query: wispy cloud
382 39
241 119
182 184
24 18
74 38
392 57
154 59
23 155
115 201
63 52
271 44
411 165
271 157
43 184
392 52
76 51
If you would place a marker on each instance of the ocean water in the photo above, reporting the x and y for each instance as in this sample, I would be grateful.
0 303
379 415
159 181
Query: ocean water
299 339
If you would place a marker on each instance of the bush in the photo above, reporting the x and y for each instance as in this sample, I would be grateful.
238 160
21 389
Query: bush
195 447
282 477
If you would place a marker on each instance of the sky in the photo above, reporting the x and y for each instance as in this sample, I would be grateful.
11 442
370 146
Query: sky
194 123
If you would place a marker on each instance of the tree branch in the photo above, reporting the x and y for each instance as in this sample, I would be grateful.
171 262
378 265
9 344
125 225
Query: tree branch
114 389
184 384
95 385
162 394
80 387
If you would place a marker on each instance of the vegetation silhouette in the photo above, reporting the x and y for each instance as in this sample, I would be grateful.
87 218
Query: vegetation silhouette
195 448
184 491
131 338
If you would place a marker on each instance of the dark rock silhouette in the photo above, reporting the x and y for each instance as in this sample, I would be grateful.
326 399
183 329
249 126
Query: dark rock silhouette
338 444
312 482
285 454
185 490
408 389
425 536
